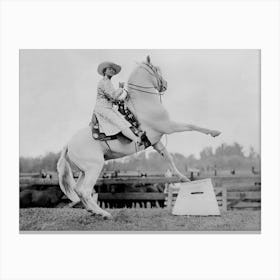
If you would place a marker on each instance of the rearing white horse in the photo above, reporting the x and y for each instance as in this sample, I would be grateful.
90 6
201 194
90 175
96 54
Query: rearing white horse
145 86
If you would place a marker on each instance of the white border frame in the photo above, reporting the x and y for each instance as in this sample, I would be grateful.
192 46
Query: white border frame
190 25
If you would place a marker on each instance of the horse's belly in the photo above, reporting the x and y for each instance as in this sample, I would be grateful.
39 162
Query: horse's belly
119 149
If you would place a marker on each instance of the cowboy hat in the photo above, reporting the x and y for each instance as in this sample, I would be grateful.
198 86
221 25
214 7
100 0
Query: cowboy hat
105 65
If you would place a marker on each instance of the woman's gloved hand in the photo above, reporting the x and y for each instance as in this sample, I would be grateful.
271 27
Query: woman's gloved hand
123 95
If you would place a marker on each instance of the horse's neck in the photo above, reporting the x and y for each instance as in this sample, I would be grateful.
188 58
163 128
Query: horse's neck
145 105
140 76
149 111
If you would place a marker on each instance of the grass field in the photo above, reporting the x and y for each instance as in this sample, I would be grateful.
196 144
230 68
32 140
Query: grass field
64 219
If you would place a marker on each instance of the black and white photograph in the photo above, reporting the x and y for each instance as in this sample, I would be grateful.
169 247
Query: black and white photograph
140 140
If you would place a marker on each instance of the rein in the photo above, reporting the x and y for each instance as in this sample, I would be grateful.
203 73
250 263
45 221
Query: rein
137 89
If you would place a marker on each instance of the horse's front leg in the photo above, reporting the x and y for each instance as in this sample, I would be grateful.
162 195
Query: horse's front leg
172 127
159 147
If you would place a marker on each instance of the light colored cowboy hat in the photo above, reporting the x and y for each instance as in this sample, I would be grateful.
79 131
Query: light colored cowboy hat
107 64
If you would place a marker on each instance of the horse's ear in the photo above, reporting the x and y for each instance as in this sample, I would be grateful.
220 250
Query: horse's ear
148 59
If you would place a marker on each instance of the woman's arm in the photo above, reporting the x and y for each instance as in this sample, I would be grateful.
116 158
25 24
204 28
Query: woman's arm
110 91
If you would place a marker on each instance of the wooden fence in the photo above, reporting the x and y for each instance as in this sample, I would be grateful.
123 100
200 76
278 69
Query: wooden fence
232 192
131 180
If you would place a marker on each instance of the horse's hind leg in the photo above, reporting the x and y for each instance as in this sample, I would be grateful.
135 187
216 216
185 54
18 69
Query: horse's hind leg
84 190
78 183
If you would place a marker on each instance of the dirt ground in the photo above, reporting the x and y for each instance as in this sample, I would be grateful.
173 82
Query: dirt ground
127 220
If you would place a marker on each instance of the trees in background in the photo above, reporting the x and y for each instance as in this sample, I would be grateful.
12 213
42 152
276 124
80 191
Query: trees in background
225 157
47 162
228 157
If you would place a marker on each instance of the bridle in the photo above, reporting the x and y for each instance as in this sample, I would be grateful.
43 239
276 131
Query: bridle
160 86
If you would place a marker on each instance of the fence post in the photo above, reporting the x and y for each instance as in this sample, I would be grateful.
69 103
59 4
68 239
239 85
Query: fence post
169 197
224 195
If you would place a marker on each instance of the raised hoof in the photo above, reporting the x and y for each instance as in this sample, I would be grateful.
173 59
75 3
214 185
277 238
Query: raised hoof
215 133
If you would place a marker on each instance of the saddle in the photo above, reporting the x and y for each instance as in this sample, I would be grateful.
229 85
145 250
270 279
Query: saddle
128 115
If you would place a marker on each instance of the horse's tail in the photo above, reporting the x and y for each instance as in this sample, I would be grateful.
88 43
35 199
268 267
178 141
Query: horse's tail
65 177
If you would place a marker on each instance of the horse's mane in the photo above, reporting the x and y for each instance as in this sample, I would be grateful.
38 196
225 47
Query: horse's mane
143 64
136 68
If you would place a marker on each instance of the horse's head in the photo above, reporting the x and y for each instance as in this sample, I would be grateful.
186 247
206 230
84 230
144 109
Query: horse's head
147 78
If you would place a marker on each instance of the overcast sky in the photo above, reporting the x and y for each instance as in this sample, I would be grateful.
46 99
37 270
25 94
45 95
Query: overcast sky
218 89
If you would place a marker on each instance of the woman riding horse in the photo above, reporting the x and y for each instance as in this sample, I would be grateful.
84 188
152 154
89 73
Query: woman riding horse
145 86
110 120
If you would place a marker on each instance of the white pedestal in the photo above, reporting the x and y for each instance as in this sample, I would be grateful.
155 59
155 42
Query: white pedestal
196 198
